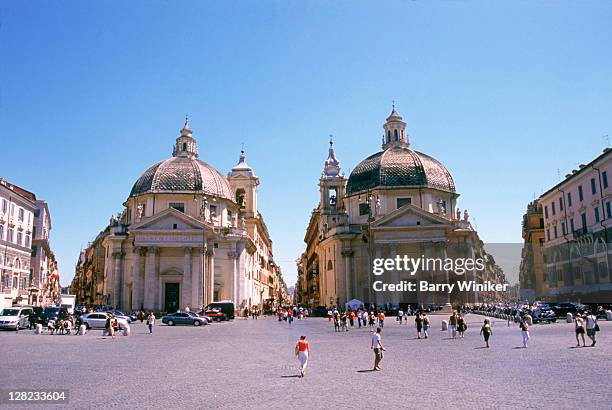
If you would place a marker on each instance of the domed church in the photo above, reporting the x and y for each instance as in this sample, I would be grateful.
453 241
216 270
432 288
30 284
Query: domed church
189 236
395 202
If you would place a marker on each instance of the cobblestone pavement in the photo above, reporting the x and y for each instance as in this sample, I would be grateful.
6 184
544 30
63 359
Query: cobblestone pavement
250 364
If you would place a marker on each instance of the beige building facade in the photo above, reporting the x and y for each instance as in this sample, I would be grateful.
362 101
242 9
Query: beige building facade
189 236
395 202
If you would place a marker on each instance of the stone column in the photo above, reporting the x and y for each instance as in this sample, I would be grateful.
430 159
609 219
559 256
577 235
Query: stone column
394 274
137 281
444 255
196 281
117 285
187 278
349 291
470 246
211 274
149 279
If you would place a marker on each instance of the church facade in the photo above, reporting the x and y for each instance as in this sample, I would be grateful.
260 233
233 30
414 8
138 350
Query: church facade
395 202
189 236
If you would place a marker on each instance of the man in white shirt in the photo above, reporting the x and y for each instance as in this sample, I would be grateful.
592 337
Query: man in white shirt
400 316
378 348
591 324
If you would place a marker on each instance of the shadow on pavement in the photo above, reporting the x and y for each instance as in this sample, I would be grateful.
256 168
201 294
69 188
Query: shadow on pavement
365 371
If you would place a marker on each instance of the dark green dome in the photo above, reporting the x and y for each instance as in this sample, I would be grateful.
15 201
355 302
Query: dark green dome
399 166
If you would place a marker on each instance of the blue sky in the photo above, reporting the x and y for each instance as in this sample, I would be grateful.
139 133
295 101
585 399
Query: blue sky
506 95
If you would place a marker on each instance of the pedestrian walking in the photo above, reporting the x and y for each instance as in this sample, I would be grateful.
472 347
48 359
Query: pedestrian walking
525 331
290 316
579 330
378 348
343 318
381 319
150 322
418 323
426 324
400 316
452 324
592 327
486 331
351 318
372 320
302 351
461 325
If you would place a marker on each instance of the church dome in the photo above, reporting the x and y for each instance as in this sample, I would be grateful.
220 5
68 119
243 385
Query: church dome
399 166
183 173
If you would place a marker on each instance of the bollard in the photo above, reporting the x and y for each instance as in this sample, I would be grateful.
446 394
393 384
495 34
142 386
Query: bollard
569 317
444 325
82 330
609 315
38 329
529 320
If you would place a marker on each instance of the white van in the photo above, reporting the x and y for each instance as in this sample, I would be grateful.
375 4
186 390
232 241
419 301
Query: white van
15 318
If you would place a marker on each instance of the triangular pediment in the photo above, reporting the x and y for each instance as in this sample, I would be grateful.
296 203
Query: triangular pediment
169 219
409 216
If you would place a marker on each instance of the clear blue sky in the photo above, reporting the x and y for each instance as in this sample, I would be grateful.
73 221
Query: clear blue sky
504 94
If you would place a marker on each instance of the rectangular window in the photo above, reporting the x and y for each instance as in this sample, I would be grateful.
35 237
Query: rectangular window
1 232
541 223
548 234
402 201
21 214
213 211
596 214
572 225
608 210
563 229
584 223
580 193
19 239
364 209
27 241
604 179
569 199
36 213
4 205
555 230
179 206
554 211
561 204
546 211
593 186
10 235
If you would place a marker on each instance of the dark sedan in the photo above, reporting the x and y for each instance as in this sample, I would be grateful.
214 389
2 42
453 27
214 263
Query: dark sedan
184 318
215 315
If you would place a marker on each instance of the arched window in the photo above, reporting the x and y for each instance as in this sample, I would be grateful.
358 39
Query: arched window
330 265
17 264
395 134
240 195
184 146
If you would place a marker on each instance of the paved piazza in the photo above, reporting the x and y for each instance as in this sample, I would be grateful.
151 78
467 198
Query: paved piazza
250 364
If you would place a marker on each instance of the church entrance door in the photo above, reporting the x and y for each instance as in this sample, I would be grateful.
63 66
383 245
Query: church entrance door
171 300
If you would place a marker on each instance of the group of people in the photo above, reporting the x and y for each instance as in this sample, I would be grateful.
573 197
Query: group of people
254 312
287 314
344 318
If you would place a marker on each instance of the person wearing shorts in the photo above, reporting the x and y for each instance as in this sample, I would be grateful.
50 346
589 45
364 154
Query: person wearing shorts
301 351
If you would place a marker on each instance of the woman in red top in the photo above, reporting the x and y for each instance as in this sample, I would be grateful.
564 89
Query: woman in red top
301 351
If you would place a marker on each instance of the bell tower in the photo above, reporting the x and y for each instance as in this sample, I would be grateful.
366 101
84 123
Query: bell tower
244 182
186 145
332 184
395 131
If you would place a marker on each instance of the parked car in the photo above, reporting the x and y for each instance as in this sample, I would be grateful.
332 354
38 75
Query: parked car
120 314
562 309
184 318
15 318
54 313
97 320
226 307
215 315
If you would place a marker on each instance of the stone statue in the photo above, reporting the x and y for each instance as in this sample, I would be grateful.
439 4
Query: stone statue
139 211
377 206
242 222
441 207
466 215
458 214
